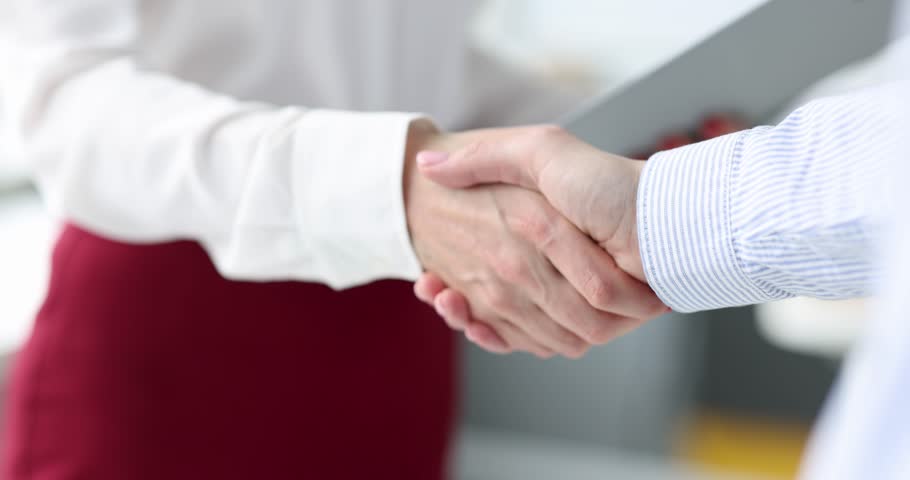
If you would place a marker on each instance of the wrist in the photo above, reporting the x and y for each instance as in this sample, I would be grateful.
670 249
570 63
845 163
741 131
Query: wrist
422 135
629 253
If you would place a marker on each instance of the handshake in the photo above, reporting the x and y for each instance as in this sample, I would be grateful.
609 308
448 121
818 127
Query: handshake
528 237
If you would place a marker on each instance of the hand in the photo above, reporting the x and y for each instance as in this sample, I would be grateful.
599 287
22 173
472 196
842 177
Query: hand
595 190
526 277
519 262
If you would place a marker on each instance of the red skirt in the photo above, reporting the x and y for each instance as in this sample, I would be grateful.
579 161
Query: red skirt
144 363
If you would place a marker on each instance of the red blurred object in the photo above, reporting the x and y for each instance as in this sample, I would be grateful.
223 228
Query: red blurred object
641 155
713 126
718 125
675 140
145 364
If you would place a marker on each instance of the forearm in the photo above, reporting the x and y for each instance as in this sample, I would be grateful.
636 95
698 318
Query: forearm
271 193
768 213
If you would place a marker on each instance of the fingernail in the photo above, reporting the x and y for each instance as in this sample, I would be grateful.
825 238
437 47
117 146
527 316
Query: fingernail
428 159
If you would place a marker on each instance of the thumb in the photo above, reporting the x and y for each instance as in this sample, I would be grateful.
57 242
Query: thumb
478 164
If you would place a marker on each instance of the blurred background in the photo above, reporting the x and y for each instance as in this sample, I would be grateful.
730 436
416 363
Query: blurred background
726 394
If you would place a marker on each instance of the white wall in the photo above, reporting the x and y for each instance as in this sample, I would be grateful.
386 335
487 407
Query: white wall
618 38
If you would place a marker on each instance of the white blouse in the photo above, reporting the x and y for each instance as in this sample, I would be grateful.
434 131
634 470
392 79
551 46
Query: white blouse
267 130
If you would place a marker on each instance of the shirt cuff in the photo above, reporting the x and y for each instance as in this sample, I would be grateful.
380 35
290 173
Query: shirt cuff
684 227
349 196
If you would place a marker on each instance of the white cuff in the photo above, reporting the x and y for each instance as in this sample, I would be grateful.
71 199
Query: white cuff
684 227
348 196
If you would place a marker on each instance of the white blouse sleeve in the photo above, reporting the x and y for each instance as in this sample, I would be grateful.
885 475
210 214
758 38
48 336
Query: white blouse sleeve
271 193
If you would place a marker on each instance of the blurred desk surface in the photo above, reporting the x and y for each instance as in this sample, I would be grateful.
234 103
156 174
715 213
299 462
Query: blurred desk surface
494 455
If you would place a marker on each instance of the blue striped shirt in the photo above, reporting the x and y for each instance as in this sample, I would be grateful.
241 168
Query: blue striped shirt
772 212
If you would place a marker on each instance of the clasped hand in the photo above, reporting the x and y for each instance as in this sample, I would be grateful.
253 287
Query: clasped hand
528 238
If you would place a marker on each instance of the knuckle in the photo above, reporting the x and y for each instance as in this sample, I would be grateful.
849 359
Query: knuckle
656 311
473 150
511 268
598 292
599 332
570 344
548 131
578 350
538 227
499 299
543 354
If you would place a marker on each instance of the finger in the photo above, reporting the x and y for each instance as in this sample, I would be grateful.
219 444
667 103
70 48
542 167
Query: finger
485 337
545 331
515 338
453 307
500 337
500 161
428 286
595 275
494 335
575 313
569 344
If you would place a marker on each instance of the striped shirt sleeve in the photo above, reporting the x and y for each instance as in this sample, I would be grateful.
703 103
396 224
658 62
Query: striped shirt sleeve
771 212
